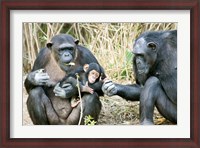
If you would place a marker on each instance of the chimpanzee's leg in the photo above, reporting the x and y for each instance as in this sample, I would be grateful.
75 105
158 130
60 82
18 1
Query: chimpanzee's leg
153 95
40 108
91 106
166 108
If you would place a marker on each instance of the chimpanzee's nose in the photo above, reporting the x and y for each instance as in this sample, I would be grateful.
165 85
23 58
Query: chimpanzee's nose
66 54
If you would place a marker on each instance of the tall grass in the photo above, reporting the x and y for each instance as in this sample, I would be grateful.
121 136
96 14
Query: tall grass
111 43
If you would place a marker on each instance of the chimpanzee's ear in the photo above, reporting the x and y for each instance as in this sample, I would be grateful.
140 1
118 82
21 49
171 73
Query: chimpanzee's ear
85 67
49 45
76 41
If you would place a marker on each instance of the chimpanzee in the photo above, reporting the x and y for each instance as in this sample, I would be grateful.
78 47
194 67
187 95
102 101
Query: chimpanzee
155 69
88 78
62 55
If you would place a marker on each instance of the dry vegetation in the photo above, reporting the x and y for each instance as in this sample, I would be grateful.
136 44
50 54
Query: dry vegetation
111 43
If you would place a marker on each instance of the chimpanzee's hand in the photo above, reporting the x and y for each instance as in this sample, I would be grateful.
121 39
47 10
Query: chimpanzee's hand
109 88
59 91
38 77
69 90
86 88
63 91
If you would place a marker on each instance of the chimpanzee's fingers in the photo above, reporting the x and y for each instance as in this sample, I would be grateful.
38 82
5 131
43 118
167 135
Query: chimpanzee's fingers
41 77
106 85
110 88
66 85
86 84
57 88
40 70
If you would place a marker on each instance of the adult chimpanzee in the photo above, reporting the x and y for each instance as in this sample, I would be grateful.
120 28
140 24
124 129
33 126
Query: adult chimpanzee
89 78
62 55
155 69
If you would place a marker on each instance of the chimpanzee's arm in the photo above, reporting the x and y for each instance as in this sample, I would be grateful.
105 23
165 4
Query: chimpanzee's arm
37 76
73 81
28 85
97 87
70 80
128 92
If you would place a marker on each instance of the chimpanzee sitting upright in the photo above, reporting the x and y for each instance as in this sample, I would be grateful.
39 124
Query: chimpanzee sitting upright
89 80
155 69
61 56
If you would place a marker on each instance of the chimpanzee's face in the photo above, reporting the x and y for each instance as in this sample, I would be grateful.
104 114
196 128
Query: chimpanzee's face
145 55
66 55
93 76
64 49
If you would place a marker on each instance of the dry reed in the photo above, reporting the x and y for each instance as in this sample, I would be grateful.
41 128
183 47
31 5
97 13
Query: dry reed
111 43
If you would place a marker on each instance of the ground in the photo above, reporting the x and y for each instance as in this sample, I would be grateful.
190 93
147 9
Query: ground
115 111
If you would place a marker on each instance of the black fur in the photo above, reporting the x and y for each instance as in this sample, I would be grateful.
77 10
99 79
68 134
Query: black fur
158 74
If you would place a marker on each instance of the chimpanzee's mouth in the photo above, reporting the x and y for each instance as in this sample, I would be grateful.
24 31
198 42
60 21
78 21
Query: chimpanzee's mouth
70 64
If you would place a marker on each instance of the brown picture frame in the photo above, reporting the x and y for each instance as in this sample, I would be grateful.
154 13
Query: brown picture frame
192 5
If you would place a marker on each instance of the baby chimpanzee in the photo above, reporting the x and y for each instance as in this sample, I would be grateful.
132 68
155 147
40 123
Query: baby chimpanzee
89 77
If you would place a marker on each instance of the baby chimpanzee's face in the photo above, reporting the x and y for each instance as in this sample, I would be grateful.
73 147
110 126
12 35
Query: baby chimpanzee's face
93 76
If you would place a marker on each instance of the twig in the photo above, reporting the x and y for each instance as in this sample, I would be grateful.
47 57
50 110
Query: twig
79 93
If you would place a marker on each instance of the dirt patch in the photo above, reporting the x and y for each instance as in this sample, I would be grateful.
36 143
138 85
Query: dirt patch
117 111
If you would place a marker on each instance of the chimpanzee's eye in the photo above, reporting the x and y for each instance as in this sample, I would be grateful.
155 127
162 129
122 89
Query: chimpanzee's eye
96 74
152 45
61 49
65 49
70 48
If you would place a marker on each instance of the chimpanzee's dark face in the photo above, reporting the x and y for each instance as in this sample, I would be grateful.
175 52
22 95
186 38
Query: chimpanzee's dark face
64 49
66 55
145 55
